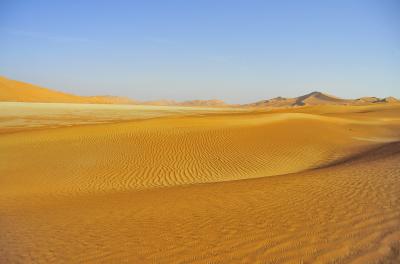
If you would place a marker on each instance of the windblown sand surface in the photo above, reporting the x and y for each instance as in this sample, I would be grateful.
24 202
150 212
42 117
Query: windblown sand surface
137 184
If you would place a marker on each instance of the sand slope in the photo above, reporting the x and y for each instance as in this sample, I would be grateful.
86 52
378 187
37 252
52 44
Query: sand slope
315 185
16 91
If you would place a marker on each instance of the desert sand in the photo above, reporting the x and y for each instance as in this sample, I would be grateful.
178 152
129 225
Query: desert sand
157 184
17 91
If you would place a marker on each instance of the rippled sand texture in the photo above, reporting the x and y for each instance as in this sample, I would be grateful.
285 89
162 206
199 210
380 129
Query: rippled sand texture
313 184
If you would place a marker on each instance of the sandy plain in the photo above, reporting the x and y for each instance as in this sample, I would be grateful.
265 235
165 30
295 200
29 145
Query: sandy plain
148 184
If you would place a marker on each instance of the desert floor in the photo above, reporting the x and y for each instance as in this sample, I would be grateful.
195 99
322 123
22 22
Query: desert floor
146 184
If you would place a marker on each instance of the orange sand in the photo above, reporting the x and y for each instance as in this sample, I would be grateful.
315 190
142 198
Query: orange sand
315 184
16 91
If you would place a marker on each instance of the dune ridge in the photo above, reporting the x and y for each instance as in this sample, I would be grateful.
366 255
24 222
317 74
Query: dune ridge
16 91
317 99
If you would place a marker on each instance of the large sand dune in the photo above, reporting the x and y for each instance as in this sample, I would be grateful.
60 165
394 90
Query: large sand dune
113 184
17 91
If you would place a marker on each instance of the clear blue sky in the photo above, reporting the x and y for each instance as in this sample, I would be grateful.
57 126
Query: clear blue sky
239 51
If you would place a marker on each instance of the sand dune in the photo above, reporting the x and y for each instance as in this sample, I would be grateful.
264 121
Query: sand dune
16 91
119 184
314 98
318 99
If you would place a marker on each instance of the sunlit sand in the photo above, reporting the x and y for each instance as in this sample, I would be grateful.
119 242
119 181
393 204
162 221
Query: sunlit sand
199 132
149 184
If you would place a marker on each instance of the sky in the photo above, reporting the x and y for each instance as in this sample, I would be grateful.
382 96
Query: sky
237 51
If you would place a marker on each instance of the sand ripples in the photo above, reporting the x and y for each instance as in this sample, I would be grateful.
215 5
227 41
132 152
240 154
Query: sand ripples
196 190
156 154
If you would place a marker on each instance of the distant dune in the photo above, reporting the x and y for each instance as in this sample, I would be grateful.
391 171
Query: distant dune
368 99
16 91
318 98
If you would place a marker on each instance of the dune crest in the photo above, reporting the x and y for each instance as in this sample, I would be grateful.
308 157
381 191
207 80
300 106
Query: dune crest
15 91
318 98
